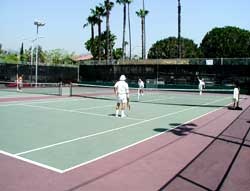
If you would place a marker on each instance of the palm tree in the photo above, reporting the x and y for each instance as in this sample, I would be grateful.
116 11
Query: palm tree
124 3
129 28
99 12
108 5
92 21
179 29
142 14
21 53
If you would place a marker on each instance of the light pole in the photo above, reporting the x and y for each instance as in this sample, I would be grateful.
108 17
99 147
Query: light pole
38 24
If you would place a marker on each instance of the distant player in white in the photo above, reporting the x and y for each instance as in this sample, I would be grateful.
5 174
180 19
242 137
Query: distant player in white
122 93
19 82
140 88
236 96
201 85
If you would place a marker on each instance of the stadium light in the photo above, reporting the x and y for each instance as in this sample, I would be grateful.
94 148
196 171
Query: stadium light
38 24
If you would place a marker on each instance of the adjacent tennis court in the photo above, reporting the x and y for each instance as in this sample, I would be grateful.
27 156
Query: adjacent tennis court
61 133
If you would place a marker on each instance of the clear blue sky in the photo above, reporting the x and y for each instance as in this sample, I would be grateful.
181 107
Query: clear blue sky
64 20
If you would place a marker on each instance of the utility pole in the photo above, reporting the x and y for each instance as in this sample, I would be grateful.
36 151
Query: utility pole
38 24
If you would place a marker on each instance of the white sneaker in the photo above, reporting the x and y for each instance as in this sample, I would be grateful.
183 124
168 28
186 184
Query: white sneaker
123 116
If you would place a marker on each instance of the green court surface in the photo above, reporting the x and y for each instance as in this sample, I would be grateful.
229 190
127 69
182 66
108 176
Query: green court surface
62 133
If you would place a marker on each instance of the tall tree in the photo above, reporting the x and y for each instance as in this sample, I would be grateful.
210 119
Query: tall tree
142 13
99 13
166 48
41 55
179 29
124 3
227 42
92 21
21 54
94 48
129 28
108 6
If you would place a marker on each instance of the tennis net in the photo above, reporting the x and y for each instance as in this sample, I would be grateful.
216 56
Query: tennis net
186 97
32 88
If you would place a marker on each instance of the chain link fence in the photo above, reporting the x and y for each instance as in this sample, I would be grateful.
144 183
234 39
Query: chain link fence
45 73
161 73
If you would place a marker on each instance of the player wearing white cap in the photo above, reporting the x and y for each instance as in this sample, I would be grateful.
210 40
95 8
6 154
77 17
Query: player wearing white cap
121 90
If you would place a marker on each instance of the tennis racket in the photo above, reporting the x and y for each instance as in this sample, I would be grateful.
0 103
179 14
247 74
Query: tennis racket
128 104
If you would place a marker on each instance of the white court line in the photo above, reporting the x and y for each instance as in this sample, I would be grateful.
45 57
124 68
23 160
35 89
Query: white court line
96 107
30 161
75 111
9 96
148 101
16 103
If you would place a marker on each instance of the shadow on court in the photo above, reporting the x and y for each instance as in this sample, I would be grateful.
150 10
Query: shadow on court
223 165
180 130
232 108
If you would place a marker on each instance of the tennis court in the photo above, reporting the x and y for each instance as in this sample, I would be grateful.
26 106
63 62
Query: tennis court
62 134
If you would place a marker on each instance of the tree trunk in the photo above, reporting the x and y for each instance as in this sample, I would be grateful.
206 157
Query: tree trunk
107 31
129 28
124 31
144 33
179 29
92 32
142 38
99 41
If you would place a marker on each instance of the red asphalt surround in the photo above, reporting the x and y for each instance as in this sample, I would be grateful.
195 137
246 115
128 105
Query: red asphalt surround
154 163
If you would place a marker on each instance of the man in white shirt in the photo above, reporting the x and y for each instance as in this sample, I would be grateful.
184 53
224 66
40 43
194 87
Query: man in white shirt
140 88
201 85
121 90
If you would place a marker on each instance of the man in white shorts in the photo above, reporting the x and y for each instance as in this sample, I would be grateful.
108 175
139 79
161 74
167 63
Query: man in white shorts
140 88
121 90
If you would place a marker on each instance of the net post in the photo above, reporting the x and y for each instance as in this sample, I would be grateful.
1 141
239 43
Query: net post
70 89
60 89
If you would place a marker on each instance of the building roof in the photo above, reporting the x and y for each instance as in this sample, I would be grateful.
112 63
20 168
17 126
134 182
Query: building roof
83 57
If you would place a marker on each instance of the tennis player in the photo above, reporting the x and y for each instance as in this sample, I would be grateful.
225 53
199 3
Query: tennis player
236 96
121 90
19 83
140 88
201 85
